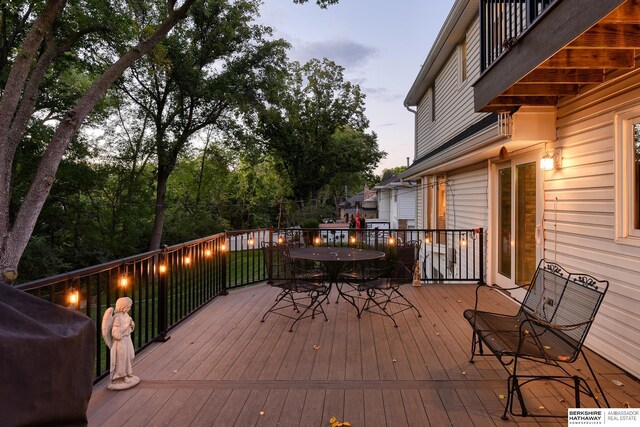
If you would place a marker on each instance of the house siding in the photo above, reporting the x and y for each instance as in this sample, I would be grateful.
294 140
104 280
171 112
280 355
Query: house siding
384 205
579 215
407 203
454 99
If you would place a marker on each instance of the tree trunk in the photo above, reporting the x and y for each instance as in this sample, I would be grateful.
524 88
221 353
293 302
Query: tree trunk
14 238
158 221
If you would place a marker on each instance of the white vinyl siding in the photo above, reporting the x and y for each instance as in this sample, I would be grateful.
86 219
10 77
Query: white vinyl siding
407 203
467 198
384 204
579 215
454 101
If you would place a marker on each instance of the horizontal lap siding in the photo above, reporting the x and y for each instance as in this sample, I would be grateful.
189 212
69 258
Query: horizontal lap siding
467 201
454 99
407 203
579 216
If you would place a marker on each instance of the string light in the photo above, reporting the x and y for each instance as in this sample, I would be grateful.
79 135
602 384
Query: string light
427 240
187 260
162 268
74 296
280 240
353 239
392 241
316 240
208 252
223 247
251 241
124 281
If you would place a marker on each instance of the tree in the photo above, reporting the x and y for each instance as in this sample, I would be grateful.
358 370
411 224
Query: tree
207 74
29 55
312 122
389 172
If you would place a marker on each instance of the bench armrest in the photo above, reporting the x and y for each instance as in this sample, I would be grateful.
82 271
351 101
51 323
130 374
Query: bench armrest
491 287
527 331
548 325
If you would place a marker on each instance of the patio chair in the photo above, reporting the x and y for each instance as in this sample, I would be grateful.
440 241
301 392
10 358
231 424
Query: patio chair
549 328
382 285
301 292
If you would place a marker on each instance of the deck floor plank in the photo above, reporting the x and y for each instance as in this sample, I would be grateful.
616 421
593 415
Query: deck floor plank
211 408
224 367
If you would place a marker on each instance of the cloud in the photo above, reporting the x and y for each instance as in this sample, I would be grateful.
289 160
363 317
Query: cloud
382 94
347 53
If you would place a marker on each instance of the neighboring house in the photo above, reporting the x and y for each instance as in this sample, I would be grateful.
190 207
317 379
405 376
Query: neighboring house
397 202
365 202
508 83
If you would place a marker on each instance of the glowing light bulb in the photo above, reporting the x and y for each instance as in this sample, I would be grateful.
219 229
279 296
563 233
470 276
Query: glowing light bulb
187 260
223 247
316 240
207 252
392 241
162 268
251 242
353 239
280 240
124 281
73 296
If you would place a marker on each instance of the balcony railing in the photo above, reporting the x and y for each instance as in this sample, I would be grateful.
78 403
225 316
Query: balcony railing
502 22
170 284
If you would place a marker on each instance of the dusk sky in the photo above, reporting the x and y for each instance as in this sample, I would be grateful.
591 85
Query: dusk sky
380 43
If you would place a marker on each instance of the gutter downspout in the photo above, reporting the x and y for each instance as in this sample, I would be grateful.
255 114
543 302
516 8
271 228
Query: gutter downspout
415 133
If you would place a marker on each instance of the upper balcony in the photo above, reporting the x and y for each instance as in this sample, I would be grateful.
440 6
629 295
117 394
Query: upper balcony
535 51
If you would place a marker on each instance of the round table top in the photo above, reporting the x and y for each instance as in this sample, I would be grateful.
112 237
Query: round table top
335 254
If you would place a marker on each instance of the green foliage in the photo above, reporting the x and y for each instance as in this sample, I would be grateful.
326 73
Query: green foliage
389 172
316 128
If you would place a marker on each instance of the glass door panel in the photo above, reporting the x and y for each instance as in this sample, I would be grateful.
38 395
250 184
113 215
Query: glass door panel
504 222
525 223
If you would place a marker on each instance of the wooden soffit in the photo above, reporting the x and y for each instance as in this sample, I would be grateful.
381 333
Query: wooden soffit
574 45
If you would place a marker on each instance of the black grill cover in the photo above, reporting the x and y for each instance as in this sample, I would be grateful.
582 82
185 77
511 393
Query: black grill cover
47 355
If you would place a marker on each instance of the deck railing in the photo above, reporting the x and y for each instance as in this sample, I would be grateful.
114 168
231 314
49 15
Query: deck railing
170 284
502 22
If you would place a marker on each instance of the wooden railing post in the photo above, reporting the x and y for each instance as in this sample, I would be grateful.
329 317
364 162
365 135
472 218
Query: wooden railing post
163 295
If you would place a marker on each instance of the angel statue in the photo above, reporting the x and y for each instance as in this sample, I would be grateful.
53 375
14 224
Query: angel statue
416 274
116 331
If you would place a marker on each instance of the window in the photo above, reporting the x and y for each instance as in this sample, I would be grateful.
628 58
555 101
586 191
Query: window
433 102
462 60
627 172
441 203
435 214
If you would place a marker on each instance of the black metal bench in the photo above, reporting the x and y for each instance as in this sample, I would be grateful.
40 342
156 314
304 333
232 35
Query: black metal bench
550 328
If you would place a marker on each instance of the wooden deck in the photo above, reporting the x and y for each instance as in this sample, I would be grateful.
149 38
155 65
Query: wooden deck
222 367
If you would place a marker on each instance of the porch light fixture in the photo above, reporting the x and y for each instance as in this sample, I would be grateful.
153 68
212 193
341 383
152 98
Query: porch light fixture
551 160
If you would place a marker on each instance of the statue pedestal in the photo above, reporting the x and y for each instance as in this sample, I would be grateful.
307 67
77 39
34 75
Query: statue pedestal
124 383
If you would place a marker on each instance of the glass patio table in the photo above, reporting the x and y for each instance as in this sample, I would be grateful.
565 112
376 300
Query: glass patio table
334 258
